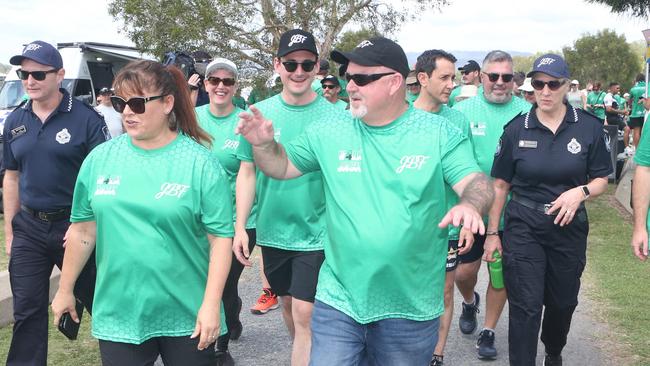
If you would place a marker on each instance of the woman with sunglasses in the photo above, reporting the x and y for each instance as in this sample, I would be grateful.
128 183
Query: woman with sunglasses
156 205
219 118
551 160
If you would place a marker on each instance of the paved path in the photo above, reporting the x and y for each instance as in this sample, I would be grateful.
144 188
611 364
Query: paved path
264 340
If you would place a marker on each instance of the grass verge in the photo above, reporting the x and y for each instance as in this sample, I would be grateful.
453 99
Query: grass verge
619 282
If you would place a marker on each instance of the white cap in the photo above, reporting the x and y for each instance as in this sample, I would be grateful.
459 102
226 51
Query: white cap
527 86
575 82
468 91
221 64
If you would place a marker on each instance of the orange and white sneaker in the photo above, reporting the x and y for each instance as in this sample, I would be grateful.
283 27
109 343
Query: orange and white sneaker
266 302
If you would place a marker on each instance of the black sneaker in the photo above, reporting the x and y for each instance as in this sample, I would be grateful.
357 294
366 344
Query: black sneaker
436 361
235 333
467 321
553 360
485 345
224 358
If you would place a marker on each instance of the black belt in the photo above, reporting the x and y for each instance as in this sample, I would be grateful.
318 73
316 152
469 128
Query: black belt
57 215
533 205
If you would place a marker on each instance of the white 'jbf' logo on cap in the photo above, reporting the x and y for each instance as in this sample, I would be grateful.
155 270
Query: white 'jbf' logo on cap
297 38
32 47
545 61
365 43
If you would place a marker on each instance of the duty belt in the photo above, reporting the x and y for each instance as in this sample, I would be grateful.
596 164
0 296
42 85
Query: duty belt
56 215
537 206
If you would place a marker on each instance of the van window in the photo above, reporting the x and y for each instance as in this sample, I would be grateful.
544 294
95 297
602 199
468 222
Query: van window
83 91
11 94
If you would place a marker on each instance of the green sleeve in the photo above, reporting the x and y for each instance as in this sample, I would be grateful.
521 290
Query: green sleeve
642 154
216 200
301 153
244 150
457 156
81 206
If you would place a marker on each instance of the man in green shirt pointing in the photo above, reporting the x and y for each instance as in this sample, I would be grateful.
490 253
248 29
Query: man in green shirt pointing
384 168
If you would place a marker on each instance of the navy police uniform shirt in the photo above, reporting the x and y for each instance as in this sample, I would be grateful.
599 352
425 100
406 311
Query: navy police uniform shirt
48 155
541 165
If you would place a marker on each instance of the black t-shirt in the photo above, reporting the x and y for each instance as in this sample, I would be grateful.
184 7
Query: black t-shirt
541 165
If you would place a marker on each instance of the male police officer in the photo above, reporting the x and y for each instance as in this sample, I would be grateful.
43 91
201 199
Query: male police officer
46 140
488 112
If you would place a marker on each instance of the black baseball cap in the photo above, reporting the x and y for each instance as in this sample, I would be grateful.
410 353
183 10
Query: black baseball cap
376 51
470 66
332 79
297 40
552 65
41 52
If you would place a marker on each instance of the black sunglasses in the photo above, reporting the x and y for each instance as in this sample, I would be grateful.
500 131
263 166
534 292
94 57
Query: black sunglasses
494 77
553 84
292 66
529 92
136 103
365 79
329 86
213 80
37 75
467 72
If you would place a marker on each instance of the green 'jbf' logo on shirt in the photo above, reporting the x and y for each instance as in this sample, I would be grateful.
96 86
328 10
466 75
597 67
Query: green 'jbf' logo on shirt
172 190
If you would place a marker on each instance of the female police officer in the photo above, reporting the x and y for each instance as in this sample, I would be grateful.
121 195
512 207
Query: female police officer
552 159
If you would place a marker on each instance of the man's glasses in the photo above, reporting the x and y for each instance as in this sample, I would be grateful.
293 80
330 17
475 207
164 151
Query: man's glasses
466 72
329 86
136 103
37 75
529 93
553 84
214 81
292 66
365 79
494 77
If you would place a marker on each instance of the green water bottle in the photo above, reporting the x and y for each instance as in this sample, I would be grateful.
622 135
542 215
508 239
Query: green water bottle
496 270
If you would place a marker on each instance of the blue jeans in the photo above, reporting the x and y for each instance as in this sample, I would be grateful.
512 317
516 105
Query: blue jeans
337 339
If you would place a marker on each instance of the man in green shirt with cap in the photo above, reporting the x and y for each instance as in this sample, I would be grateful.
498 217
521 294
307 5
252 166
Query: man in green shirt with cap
384 167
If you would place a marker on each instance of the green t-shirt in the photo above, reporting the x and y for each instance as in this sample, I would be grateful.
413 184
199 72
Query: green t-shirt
344 83
317 86
224 147
411 97
452 97
384 187
642 156
290 213
340 104
636 93
487 120
461 122
622 104
153 210
239 102
597 98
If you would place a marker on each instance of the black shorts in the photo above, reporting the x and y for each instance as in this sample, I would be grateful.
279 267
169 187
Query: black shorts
293 273
174 351
476 253
635 122
452 256
618 122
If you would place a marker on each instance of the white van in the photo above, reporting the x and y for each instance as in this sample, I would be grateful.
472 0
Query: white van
88 67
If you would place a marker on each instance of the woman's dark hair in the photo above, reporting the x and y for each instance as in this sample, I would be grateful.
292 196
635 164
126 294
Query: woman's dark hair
141 75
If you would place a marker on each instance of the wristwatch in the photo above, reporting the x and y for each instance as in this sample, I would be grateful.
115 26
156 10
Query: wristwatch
585 191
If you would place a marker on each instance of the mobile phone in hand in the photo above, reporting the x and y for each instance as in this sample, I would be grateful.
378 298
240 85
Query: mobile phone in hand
69 327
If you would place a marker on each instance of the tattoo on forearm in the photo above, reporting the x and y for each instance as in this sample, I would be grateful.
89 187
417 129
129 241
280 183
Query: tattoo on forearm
479 193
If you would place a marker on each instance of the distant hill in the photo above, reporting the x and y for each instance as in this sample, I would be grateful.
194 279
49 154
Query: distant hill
464 56
5 68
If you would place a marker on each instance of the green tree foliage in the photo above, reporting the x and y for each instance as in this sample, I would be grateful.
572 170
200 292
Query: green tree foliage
525 63
248 31
605 57
350 39
638 8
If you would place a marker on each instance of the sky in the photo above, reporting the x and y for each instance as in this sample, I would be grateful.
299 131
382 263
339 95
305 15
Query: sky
465 25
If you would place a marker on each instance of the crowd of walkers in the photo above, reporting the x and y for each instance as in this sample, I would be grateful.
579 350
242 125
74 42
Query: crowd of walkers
373 190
